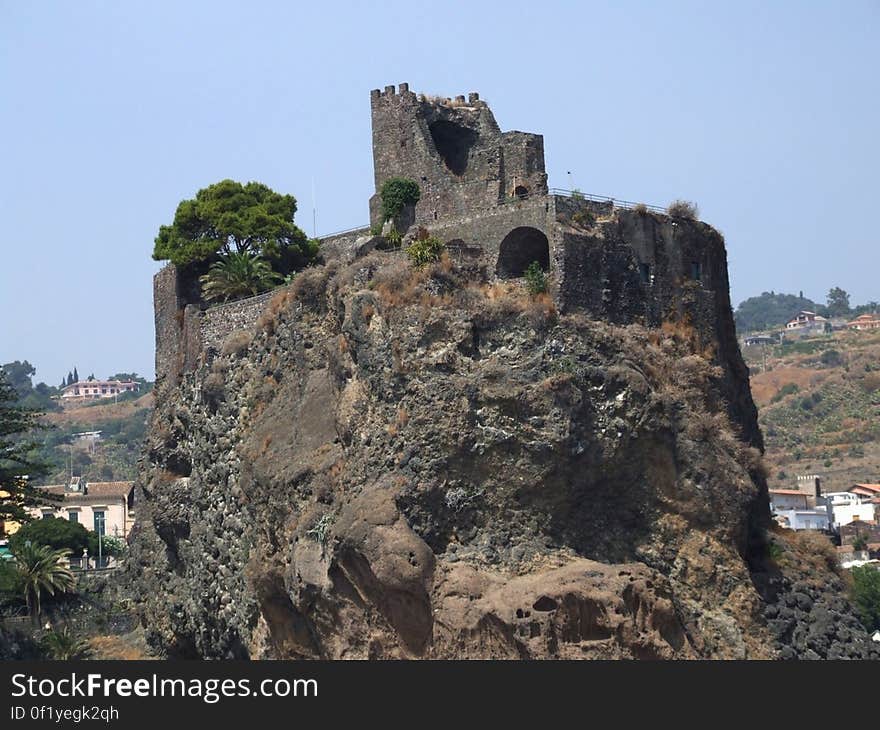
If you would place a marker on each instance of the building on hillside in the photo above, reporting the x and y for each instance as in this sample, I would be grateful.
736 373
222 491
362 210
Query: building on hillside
807 322
92 389
803 519
846 507
850 558
753 340
103 507
865 322
868 530
811 485
7 527
866 491
788 499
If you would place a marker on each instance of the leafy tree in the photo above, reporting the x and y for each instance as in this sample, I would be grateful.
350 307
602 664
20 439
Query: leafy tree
18 468
838 302
860 542
866 595
229 217
57 534
238 274
397 193
42 571
18 375
64 645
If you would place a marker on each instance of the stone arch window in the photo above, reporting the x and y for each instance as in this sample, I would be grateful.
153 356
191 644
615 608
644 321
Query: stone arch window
521 191
520 248
453 142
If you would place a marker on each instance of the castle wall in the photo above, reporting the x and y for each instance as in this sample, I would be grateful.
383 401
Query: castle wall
488 227
221 320
168 322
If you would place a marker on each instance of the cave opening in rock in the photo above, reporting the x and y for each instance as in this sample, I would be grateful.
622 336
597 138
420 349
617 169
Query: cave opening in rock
453 142
520 248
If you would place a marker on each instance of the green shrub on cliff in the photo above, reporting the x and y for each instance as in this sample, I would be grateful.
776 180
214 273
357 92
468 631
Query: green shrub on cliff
426 249
397 193
536 279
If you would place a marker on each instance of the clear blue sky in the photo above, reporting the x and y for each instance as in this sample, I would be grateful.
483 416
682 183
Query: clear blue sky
764 113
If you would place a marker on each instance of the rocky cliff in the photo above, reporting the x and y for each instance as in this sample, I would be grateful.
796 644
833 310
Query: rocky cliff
432 464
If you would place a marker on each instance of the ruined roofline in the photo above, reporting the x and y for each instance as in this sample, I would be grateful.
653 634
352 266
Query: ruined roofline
403 89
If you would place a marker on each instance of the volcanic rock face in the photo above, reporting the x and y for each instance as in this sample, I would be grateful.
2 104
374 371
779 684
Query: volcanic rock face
420 463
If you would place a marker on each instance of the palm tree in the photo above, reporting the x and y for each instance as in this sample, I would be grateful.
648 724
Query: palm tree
236 275
42 570
64 645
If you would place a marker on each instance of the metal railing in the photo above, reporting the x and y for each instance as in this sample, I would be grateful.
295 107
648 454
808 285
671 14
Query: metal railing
561 192
616 202
343 231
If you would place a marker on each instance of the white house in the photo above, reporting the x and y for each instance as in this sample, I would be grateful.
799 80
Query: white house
803 519
805 320
788 499
846 507
104 507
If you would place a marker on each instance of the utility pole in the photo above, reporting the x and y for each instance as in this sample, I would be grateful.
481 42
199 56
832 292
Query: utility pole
314 212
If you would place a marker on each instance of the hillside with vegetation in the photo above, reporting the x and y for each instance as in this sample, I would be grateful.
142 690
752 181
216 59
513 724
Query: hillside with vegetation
771 310
819 407
58 445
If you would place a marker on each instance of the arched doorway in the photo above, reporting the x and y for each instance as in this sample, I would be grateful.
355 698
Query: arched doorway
520 248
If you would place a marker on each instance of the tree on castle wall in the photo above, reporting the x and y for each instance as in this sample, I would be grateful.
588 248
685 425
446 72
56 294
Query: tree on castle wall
231 217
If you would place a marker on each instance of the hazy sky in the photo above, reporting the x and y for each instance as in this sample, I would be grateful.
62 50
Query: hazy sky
766 114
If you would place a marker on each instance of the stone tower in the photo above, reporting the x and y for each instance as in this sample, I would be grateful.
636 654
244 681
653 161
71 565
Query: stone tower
454 150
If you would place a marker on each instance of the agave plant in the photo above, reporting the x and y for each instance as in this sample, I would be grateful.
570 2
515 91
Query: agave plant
42 570
65 645
238 274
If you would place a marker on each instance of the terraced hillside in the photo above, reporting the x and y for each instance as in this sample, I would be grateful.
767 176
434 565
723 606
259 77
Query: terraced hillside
819 407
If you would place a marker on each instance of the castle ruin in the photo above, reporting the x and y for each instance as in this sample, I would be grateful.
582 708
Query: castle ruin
484 193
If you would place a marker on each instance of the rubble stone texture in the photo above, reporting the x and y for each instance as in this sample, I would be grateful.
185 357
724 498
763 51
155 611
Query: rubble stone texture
393 462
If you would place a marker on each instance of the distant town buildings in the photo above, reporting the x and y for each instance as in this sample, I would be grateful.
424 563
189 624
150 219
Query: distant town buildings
92 389
808 508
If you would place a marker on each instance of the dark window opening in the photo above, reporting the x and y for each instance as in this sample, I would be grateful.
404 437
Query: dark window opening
453 143
696 271
520 191
645 273
520 248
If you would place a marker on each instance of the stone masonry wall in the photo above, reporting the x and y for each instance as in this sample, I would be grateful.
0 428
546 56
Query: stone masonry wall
454 150
220 321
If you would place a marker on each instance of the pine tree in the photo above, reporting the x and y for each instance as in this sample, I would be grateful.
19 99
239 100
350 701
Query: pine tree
18 470
75 375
